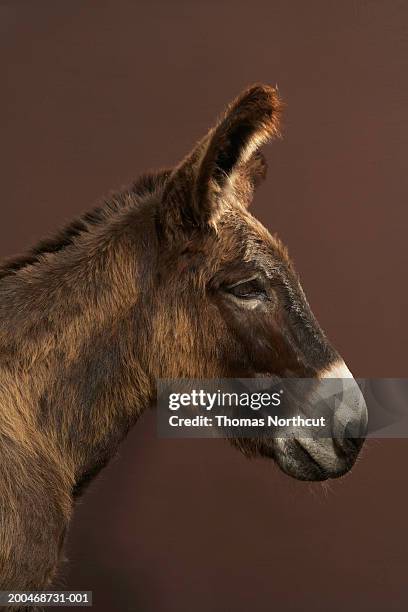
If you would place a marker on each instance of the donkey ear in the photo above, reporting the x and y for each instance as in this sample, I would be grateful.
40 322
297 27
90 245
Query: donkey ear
248 176
226 159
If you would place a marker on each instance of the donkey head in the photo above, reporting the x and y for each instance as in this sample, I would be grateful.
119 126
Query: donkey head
228 301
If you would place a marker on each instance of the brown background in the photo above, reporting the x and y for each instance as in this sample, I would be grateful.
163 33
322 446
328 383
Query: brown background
92 94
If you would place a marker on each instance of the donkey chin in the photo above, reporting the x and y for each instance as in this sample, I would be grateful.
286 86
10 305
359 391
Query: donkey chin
320 458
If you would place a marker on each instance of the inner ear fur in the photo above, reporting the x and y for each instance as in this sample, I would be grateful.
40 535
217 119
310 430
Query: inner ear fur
227 158
248 176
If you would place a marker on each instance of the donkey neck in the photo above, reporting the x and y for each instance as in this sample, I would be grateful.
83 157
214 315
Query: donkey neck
69 345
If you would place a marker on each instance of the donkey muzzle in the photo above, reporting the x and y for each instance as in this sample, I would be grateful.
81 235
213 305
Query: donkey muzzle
335 455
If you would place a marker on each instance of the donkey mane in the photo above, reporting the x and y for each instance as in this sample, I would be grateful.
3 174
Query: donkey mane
146 184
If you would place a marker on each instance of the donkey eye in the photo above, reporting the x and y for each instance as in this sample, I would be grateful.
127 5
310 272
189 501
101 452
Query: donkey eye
248 289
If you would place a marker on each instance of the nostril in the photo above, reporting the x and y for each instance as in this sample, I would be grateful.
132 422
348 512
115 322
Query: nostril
349 439
352 430
352 439
354 444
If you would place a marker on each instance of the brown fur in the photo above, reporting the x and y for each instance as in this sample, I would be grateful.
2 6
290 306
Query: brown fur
129 293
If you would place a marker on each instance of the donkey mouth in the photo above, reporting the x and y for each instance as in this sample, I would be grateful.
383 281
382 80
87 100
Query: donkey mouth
296 461
329 457
314 460
311 466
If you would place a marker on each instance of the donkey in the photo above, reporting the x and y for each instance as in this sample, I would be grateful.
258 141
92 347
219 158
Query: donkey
171 278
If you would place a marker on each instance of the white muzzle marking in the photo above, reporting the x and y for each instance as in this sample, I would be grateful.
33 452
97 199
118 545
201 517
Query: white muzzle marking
337 370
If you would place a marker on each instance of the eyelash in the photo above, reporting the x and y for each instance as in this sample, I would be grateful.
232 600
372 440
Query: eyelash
248 289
